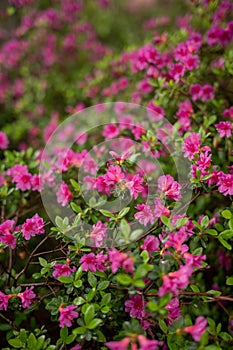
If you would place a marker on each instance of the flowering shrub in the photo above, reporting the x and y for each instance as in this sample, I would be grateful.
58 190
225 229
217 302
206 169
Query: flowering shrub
117 234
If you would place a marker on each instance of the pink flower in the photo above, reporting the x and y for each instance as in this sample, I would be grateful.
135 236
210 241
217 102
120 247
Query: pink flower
114 175
191 62
194 260
4 299
27 297
5 234
32 227
196 91
67 314
207 92
128 264
197 329
151 244
88 262
204 161
173 309
159 209
175 280
62 270
176 241
191 145
169 187
93 263
145 215
224 129
118 345
37 183
3 140
135 186
23 181
116 259
177 71
98 234
76 347
135 306
228 112
225 183
64 194
147 344
110 131
156 113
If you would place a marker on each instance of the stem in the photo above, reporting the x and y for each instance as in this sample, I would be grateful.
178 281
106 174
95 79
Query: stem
9 321
31 256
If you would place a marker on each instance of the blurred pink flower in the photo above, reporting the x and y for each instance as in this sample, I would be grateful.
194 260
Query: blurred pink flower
27 297
32 227
64 194
4 299
197 329
135 306
67 315
224 129
3 140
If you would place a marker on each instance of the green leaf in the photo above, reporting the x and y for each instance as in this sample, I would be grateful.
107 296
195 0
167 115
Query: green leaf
106 299
166 221
140 272
224 243
32 341
70 339
103 285
226 214
40 342
145 256
166 298
94 323
92 280
78 284
230 223
214 292
225 336
105 309
16 343
139 283
107 213
76 208
194 288
89 314
163 326
43 262
205 222
152 306
78 273
75 184
181 222
65 279
212 232
79 301
229 281
23 335
227 234
124 279
125 228
123 212
91 294
100 335
79 330
64 334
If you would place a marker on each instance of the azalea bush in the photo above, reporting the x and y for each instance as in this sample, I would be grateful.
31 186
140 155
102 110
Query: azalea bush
116 179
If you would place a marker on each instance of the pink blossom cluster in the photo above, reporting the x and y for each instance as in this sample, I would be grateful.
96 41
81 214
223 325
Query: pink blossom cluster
125 344
27 298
